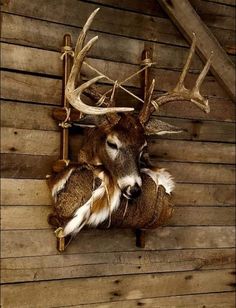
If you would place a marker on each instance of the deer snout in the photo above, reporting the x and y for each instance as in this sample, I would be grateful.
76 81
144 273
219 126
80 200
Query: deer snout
132 192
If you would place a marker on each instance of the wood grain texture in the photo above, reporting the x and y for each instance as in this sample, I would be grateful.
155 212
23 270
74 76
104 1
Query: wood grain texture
25 191
71 292
15 165
22 141
32 142
47 35
113 263
25 141
119 22
200 173
103 268
203 194
26 166
173 150
38 166
38 117
21 87
28 88
123 23
226 2
214 300
16 57
214 13
20 243
30 32
218 17
203 130
35 217
27 116
187 20
35 192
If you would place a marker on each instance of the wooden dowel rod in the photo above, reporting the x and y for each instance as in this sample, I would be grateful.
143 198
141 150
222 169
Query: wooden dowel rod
67 63
145 75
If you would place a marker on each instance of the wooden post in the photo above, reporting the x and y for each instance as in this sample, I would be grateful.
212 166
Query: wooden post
140 238
67 64
145 75
65 103
187 20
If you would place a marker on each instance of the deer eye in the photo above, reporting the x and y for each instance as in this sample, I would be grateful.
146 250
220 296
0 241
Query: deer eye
112 145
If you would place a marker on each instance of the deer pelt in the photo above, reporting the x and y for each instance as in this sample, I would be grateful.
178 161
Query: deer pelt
152 209
76 191
76 203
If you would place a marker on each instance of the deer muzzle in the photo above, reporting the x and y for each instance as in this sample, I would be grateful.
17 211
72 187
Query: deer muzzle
130 186
132 192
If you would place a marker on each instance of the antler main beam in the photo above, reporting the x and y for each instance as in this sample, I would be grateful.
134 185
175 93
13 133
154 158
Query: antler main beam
180 92
74 93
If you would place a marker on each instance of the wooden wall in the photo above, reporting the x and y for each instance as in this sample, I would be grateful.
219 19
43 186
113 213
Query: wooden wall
189 263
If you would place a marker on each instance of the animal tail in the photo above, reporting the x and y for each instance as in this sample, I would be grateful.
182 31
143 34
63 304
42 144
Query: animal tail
82 214
161 177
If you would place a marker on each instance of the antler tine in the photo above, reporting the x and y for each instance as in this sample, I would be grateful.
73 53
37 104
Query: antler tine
196 89
92 92
73 94
180 93
83 33
78 61
180 84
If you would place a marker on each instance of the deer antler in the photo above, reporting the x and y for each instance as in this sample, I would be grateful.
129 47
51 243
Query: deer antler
180 92
73 94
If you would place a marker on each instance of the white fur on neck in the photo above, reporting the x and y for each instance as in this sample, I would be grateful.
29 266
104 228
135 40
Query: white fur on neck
161 177
83 214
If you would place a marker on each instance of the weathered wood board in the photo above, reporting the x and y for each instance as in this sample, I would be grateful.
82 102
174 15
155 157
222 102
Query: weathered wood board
190 262
119 22
84 291
225 299
16 57
188 22
25 88
35 192
38 268
42 242
17 217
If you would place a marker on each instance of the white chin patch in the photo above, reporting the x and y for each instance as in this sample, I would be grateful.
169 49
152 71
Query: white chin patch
161 177
129 180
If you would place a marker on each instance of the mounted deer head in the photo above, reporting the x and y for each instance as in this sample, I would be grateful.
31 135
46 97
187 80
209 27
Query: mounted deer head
119 138
114 142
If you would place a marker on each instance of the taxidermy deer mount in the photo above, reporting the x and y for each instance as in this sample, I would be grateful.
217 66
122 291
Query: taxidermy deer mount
114 182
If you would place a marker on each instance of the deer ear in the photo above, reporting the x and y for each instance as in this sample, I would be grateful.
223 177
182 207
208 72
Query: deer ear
90 121
157 127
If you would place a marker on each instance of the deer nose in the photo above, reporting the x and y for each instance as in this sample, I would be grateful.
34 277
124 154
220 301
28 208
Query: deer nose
132 192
